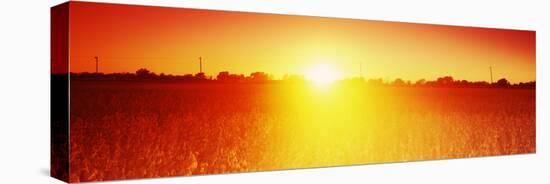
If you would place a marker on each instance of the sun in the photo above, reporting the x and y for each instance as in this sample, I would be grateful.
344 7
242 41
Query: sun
321 74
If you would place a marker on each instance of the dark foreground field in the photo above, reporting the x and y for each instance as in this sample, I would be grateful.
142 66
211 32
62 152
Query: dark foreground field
122 130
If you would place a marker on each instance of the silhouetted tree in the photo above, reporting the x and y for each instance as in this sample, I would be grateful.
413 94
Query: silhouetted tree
479 84
223 75
462 82
228 77
503 82
531 84
259 77
398 82
142 73
445 80
375 82
420 82
187 77
200 76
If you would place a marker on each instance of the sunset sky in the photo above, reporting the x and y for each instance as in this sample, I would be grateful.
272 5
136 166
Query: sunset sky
170 40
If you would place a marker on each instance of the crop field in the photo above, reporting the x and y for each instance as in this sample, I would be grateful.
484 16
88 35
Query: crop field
124 130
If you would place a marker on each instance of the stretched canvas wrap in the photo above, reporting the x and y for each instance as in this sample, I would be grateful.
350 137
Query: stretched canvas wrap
143 92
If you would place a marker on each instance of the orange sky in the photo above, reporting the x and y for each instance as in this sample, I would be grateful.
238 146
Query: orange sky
170 40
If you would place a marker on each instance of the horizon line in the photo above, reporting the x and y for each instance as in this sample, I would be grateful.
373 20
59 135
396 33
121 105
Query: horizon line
270 77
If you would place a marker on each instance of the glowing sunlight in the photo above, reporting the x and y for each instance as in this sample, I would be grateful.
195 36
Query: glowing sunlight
321 74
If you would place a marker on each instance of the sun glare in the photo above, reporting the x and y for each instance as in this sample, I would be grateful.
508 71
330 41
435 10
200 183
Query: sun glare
321 74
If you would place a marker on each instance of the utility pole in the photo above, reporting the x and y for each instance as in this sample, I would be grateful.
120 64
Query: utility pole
491 72
200 64
96 64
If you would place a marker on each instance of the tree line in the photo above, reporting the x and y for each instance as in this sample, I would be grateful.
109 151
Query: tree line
262 77
446 81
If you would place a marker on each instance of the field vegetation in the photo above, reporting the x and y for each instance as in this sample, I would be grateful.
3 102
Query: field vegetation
135 129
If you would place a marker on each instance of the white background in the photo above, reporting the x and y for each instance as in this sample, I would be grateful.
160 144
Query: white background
24 90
